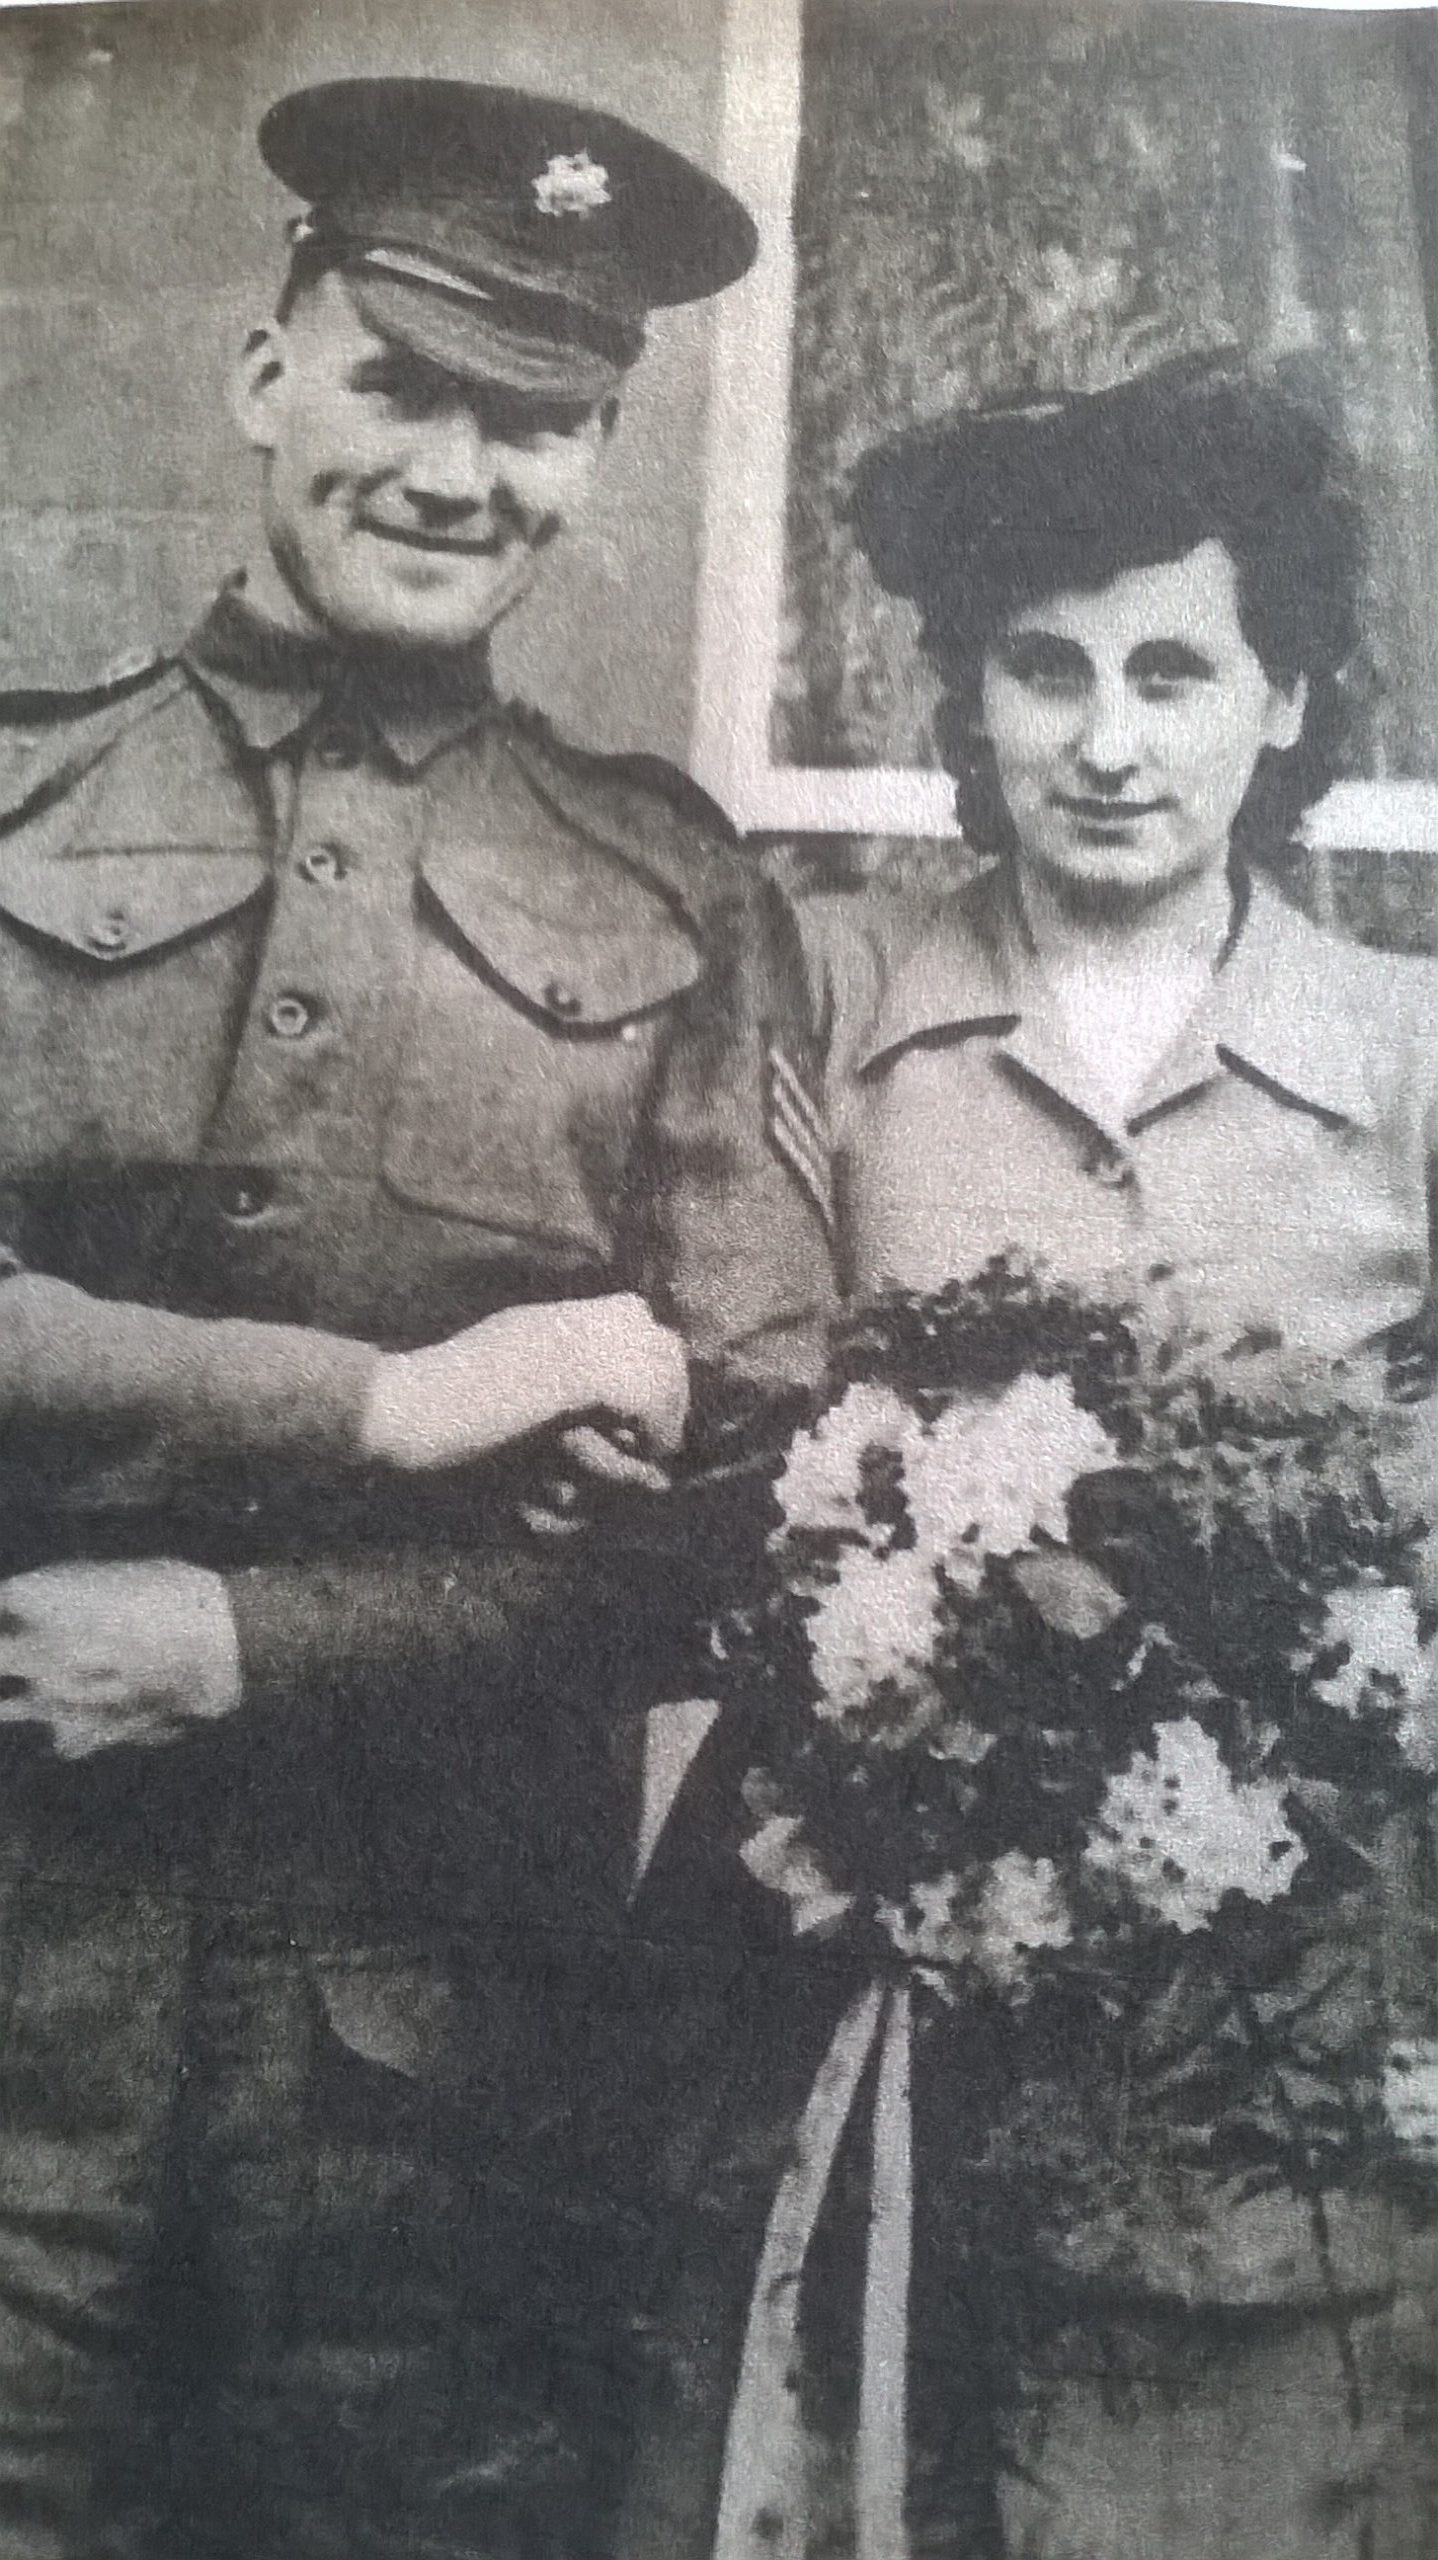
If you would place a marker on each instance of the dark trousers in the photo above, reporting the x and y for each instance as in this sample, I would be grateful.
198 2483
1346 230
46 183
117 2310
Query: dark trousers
264 2297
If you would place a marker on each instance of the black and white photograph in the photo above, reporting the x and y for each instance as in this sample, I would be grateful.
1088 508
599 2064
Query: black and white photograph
718 1307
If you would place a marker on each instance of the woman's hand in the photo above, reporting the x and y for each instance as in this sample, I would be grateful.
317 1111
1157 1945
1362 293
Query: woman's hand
581 1361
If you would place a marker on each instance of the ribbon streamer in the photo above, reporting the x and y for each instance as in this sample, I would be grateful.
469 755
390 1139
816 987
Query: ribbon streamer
763 2506
881 2454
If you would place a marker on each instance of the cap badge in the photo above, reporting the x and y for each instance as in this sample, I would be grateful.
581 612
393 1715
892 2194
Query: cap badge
573 183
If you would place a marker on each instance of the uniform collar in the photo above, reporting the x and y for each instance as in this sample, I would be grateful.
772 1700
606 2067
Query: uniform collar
1281 1006
274 682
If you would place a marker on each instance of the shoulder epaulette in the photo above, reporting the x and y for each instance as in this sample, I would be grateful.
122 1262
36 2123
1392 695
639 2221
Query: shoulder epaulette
33 702
51 734
678 790
640 806
652 776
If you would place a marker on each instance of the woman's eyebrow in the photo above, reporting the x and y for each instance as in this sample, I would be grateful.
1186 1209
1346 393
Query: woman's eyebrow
1169 658
1035 640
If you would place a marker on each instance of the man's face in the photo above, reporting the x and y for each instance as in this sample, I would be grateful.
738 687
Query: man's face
404 505
1125 725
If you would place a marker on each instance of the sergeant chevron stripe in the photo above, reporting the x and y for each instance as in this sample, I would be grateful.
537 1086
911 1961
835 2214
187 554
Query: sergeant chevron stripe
798 1132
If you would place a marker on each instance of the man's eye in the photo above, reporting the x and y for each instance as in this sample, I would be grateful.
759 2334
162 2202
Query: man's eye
410 399
404 390
530 422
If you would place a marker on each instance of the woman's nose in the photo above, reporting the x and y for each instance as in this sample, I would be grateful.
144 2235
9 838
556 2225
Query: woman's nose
1108 739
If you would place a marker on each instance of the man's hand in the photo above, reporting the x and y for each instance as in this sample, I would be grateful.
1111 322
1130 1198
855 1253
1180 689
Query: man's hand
107 1653
597 1365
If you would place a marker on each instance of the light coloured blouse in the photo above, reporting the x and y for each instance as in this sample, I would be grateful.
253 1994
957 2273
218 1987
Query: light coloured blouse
1275 1169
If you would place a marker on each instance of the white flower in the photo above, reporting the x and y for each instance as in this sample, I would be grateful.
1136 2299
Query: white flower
1378 1623
1181 1833
995 1474
573 183
819 1487
778 1857
1410 2093
875 1623
929 1928
959 1739
1020 1907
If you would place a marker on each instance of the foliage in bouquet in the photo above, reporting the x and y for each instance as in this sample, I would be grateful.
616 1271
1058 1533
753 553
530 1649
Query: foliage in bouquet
1086 1679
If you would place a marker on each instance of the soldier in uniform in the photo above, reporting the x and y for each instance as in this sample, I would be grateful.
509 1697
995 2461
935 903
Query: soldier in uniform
371 1063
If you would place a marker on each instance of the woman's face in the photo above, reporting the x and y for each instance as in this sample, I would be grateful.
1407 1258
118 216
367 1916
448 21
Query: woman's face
1125 722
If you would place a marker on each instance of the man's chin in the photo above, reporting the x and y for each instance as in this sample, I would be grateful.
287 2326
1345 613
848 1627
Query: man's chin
422 618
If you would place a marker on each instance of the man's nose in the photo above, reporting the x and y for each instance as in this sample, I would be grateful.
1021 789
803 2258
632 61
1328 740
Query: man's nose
452 468
1108 740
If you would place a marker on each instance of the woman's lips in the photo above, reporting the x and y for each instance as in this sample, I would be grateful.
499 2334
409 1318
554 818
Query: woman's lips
1107 813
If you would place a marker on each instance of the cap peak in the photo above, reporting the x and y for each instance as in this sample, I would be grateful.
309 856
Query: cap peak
557 225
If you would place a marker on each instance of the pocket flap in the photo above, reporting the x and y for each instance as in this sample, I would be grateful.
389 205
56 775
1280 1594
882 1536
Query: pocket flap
116 905
586 953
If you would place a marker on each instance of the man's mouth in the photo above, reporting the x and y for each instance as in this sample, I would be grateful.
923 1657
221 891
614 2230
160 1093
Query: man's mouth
449 546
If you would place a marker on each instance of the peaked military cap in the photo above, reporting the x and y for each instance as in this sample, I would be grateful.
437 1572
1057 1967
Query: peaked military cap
507 237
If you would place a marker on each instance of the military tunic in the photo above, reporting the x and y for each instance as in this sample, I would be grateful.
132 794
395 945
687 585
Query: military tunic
338 1008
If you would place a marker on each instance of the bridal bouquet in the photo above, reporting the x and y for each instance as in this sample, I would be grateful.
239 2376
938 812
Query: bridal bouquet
1086 1679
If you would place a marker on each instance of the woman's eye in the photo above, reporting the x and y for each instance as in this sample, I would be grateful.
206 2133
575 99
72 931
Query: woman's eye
1167 678
1044 666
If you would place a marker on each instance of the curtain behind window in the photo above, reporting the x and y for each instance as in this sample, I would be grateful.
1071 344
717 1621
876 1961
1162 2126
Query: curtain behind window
997 196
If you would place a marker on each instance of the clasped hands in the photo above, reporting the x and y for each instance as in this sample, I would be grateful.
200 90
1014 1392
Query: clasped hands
137 1652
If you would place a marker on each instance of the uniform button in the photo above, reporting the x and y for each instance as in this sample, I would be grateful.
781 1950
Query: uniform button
563 1000
245 1195
1106 1165
110 931
322 863
290 1017
629 1033
338 744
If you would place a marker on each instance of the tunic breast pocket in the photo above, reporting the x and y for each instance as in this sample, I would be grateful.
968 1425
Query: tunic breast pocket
528 1053
121 974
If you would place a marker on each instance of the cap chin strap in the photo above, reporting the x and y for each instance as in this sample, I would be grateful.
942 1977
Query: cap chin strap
525 308
401 262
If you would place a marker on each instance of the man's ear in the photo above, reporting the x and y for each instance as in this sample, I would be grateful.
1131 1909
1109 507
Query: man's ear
1286 710
260 385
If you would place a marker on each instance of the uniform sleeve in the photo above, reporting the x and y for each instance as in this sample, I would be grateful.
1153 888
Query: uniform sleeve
734 1207
89 1372
728 1219
394 1630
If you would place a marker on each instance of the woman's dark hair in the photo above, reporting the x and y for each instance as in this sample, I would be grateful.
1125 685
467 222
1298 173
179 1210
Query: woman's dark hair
979 516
